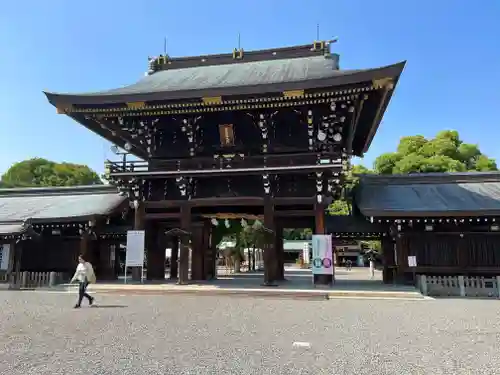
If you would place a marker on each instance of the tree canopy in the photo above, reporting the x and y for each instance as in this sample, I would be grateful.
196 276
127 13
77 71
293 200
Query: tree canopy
444 153
416 154
42 172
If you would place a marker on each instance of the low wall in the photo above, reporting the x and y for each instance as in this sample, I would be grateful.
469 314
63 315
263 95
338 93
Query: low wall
459 286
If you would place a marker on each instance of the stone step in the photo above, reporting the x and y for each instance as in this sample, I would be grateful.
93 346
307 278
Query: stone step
162 289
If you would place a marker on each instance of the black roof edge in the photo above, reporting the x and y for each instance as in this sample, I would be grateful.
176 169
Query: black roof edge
385 104
397 214
430 178
367 75
59 190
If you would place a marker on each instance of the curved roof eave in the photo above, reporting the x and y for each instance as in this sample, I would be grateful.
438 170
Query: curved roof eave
344 78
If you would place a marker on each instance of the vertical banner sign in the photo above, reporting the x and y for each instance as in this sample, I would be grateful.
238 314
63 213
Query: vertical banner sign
322 257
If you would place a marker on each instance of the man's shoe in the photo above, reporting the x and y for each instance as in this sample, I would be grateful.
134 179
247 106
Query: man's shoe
91 301
76 307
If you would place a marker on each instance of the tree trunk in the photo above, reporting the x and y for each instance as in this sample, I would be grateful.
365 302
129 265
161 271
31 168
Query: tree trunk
237 266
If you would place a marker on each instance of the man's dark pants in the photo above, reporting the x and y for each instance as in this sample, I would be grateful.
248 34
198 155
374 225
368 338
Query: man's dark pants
82 292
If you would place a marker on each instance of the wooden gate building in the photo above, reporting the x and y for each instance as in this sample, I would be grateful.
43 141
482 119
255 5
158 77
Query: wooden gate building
263 134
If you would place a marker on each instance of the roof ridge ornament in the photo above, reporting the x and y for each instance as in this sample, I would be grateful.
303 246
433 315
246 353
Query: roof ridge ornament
238 53
155 62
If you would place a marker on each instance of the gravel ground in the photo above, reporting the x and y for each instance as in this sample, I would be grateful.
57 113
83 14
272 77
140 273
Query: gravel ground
41 334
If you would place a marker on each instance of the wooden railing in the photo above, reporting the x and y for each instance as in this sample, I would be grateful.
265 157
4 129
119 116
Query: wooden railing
222 162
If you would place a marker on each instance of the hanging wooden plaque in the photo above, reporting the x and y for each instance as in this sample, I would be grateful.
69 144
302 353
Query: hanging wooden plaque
226 133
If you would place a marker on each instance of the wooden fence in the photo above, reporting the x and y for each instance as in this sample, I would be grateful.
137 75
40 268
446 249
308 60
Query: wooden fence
33 279
460 286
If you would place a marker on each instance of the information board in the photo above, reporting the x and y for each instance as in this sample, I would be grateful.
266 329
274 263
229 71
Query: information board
412 261
135 249
322 257
4 256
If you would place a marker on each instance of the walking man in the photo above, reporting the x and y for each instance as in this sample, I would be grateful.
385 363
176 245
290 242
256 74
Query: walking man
85 275
348 265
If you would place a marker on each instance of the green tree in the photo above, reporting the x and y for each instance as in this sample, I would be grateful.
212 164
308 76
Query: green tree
42 172
444 153
297 234
342 206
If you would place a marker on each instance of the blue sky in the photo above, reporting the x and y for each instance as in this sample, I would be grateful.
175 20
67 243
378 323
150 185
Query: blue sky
452 79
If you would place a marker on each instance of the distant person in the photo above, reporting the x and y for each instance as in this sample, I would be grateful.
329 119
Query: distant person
348 265
85 275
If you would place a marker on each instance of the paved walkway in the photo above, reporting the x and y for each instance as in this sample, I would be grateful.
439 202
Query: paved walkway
349 284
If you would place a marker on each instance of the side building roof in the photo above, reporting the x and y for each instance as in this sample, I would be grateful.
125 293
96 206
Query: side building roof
20 206
429 195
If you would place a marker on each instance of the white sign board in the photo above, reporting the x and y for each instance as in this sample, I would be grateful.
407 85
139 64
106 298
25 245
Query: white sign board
4 256
412 261
305 253
322 257
135 248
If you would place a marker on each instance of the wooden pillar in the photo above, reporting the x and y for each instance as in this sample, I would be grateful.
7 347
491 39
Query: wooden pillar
197 253
280 253
106 269
85 246
270 261
185 245
462 252
387 245
210 268
174 258
319 219
139 224
401 258
155 253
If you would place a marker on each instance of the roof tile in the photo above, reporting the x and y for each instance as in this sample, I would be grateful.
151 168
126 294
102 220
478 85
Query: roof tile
430 195
78 203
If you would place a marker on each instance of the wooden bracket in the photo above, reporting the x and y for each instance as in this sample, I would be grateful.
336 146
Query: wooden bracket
386 83
212 100
136 105
293 94
63 109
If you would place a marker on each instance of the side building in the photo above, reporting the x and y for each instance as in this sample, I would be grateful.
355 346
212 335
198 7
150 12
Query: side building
449 223
45 229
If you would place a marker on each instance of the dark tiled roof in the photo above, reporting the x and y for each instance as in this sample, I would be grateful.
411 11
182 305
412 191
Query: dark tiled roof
350 224
56 204
243 78
432 194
